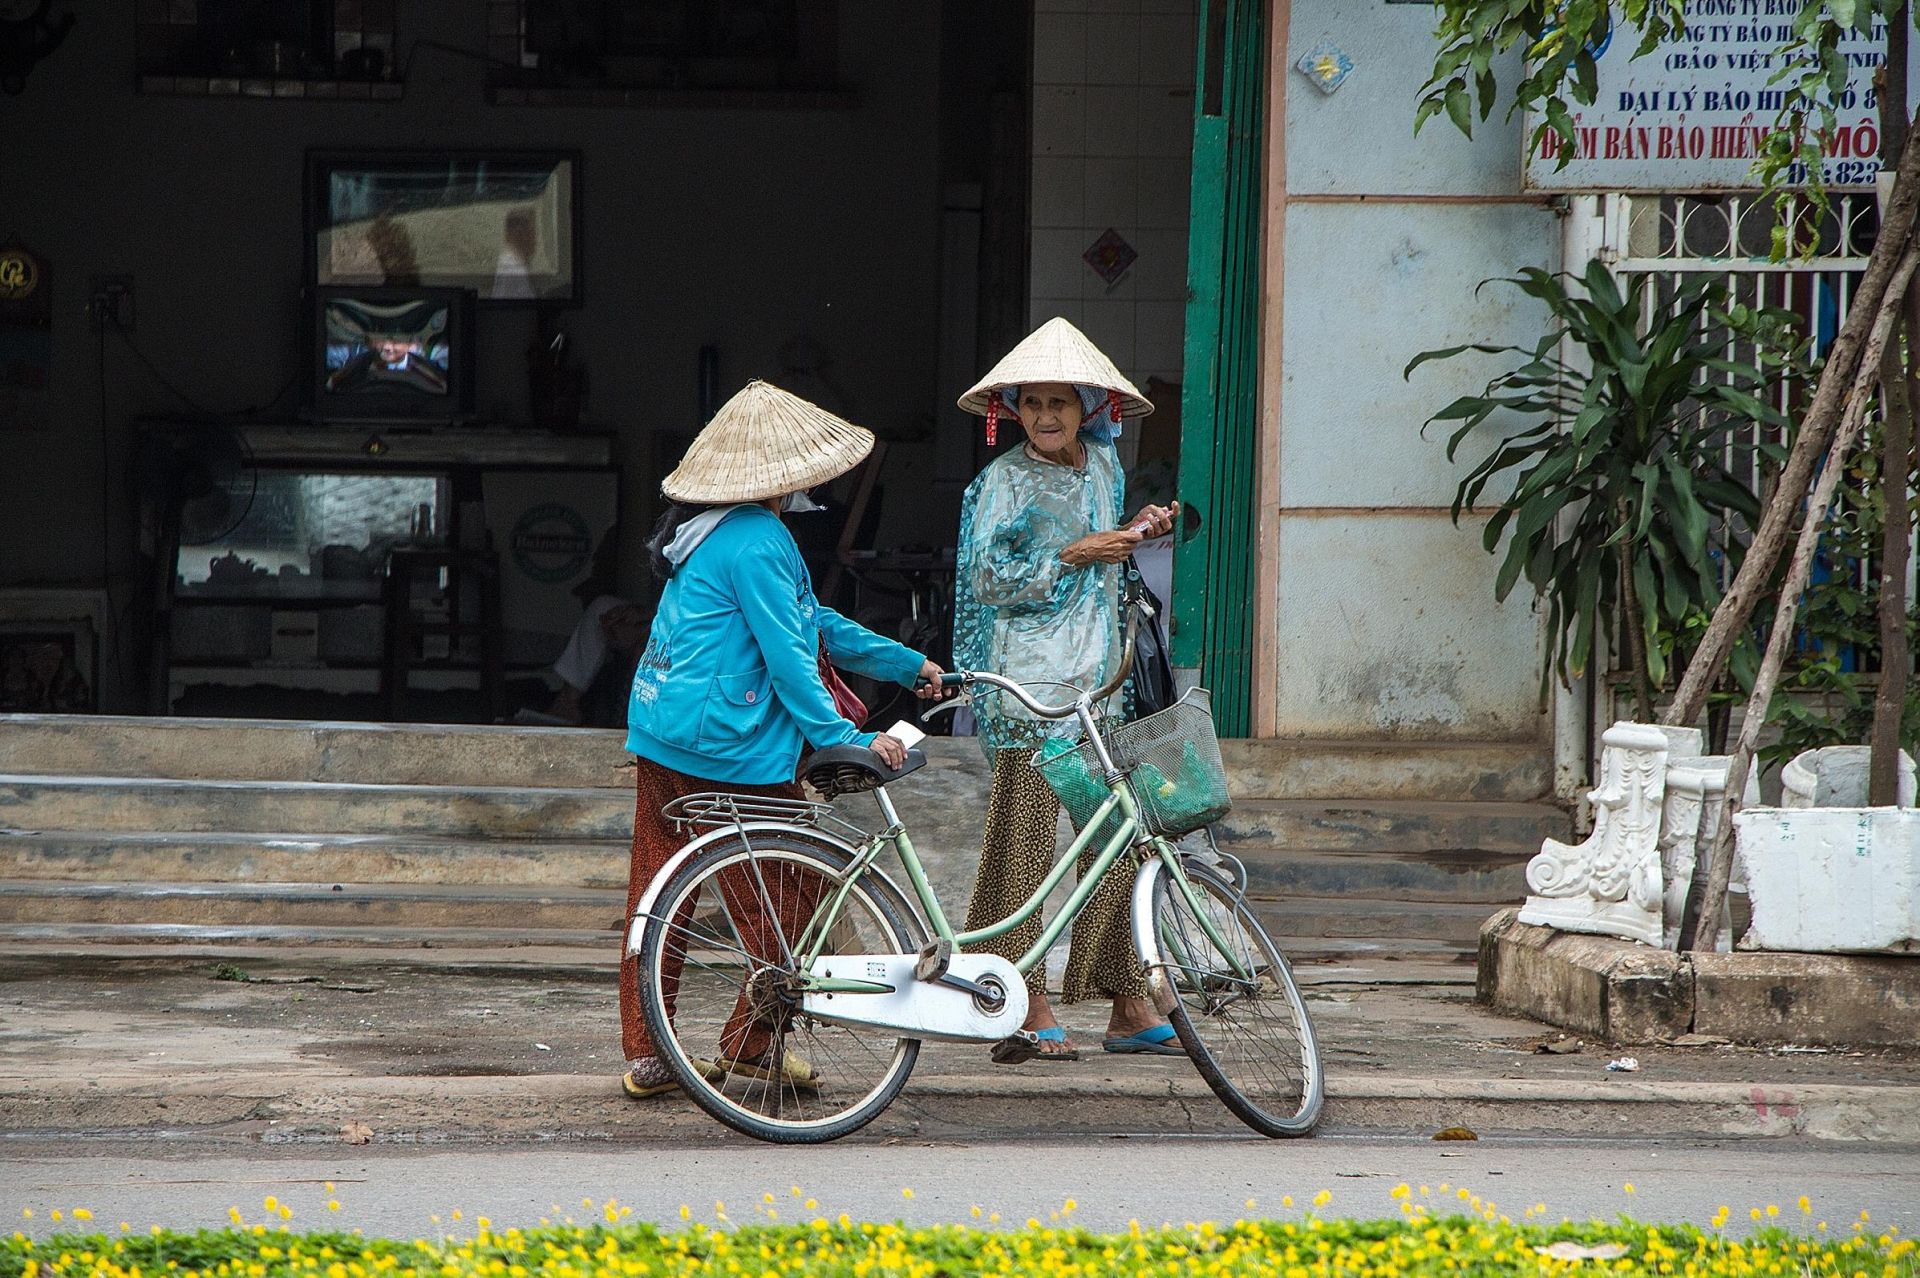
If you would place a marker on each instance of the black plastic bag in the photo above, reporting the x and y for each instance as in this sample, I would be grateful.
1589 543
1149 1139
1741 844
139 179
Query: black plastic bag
1153 688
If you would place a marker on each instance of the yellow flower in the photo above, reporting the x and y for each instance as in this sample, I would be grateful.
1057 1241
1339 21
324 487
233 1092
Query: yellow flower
1286 1200
270 1203
81 1213
1627 1188
1806 1205
55 1213
27 1213
685 1211
906 1193
1754 1212
975 1211
1401 1190
1772 1211
1322 1198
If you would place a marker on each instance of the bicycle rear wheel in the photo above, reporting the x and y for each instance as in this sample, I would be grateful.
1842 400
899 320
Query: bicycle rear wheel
1232 1000
717 983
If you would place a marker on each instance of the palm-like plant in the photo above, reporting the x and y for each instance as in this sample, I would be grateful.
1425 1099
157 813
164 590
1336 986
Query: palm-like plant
1638 432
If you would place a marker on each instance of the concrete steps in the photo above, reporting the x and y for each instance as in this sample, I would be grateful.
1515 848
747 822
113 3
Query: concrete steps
219 857
146 804
1454 925
290 750
400 906
117 831
1390 825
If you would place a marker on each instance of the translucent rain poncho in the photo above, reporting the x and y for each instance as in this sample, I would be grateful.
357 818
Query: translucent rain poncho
1018 610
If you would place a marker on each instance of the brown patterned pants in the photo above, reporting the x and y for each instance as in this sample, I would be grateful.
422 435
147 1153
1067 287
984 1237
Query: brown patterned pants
1016 852
796 894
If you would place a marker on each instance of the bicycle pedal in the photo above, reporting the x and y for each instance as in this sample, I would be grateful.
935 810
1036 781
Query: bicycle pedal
935 958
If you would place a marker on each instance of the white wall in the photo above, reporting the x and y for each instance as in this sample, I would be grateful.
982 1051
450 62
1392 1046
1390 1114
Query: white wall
1112 147
738 228
1387 627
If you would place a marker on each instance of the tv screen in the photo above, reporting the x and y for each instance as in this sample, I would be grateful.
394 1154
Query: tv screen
387 353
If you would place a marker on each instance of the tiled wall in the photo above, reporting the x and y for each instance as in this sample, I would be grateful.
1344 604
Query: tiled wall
1112 148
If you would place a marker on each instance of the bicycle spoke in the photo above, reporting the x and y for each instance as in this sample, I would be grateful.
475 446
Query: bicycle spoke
731 986
1236 1005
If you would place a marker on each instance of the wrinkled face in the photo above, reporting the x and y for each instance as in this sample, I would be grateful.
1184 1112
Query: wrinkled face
1050 413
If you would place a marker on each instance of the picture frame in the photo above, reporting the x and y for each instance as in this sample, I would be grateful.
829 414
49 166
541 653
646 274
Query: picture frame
506 224
48 667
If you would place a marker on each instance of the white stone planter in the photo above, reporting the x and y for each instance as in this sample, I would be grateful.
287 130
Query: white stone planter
1825 873
1836 777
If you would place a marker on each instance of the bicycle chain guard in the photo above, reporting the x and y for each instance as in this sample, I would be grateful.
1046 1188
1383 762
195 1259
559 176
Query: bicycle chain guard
922 1009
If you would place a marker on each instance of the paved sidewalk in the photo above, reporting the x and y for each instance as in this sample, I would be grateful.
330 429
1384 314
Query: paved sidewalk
513 1045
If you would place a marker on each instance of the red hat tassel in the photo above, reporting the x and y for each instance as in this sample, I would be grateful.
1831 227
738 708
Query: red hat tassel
993 418
1113 405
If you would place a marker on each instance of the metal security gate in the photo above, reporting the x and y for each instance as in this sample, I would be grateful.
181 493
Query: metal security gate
1675 237
1213 586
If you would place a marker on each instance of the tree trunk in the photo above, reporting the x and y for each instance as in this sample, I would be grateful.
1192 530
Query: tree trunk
1713 895
1890 700
1636 634
1896 459
1816 433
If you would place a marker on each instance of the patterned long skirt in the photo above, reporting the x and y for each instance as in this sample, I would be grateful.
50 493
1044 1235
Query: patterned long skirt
655 840
1016 853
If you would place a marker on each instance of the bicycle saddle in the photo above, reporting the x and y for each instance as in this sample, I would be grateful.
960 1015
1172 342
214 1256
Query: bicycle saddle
854 769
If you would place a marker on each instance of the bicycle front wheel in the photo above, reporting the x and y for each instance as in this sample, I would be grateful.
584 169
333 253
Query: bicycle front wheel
1230 994
718 980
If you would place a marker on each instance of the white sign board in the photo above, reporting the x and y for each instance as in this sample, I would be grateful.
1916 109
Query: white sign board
1692 113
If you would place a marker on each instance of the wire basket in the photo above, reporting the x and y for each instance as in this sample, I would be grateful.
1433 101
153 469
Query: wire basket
1171 759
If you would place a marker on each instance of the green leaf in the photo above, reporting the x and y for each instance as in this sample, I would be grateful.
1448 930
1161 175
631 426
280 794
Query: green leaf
1458 108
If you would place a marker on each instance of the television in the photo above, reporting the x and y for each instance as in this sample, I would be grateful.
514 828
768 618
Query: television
391 354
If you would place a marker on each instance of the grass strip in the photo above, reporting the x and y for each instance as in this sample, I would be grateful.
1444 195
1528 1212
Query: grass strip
1421 1244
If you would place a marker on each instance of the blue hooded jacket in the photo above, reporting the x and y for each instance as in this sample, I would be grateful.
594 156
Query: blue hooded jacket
729 688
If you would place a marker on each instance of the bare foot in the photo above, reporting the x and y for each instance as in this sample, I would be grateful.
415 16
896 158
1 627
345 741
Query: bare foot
1132 1016
1040 1017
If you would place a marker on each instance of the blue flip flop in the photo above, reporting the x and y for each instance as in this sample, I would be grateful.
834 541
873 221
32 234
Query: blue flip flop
1018 1051
1158 1041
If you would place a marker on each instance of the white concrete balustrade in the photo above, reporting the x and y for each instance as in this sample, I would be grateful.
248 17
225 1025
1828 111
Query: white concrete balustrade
1823 872
1611 883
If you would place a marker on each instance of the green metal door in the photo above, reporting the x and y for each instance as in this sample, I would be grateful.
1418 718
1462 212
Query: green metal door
1219 468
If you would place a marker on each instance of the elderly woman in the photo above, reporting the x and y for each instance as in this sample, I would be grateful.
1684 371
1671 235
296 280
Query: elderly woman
1038 600
730 688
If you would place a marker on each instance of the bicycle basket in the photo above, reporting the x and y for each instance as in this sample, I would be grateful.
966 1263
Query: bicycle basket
1172 761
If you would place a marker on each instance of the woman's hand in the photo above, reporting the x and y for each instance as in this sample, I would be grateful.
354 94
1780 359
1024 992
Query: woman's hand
891 752
1154 521
1101 548
928 688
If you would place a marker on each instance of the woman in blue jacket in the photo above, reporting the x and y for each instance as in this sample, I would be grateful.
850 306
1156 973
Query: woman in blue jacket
729 693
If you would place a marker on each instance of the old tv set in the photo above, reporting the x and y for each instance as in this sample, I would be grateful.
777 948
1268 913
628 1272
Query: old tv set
391 354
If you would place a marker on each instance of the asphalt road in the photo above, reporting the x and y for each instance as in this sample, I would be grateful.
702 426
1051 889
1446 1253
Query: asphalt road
414 1192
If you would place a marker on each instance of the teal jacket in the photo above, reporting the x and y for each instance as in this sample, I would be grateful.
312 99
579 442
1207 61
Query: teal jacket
729 686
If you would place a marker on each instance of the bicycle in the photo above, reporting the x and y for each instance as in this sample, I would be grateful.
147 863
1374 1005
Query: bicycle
805 1038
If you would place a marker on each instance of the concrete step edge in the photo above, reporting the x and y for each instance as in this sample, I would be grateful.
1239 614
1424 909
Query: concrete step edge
428 892
372 789
403 1108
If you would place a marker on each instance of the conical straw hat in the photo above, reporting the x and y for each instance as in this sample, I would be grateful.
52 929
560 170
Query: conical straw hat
1056 352
765 442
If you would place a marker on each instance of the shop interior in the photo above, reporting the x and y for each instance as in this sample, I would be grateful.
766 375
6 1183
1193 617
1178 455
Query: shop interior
372 327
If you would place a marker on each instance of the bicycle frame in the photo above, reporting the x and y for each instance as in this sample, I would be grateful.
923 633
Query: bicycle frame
1120 800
